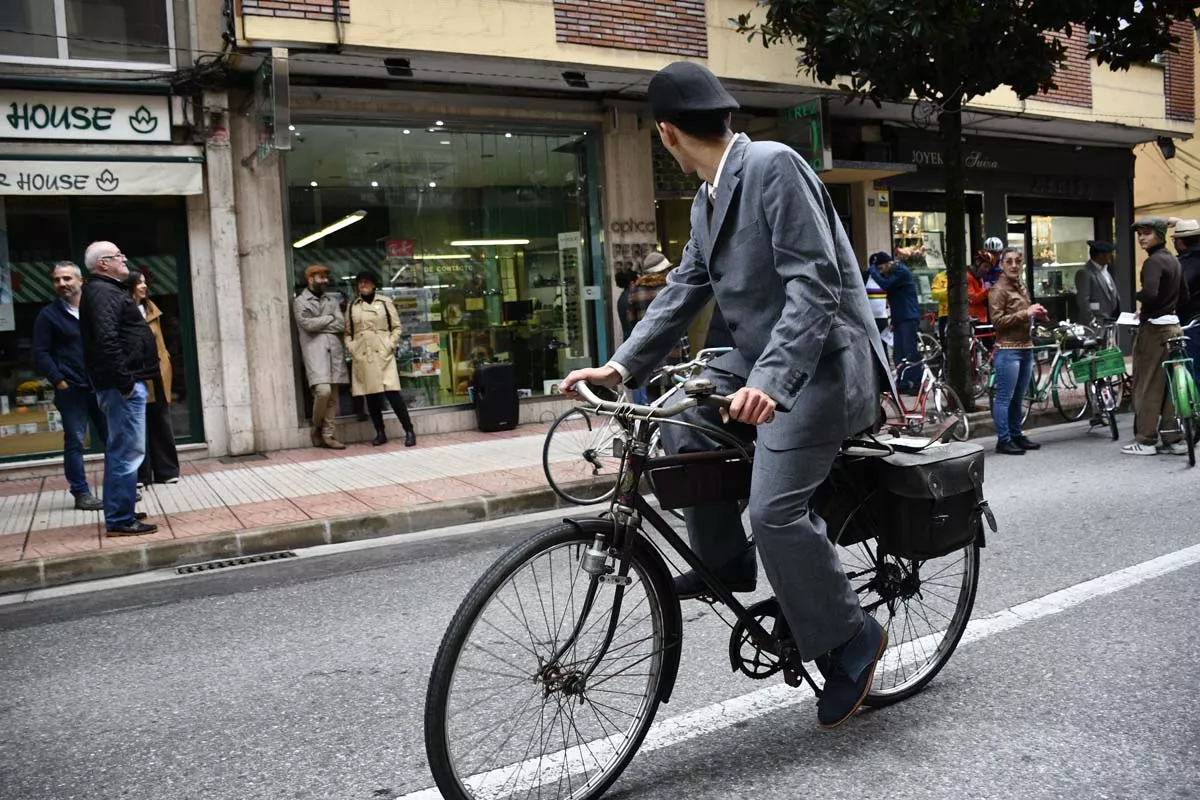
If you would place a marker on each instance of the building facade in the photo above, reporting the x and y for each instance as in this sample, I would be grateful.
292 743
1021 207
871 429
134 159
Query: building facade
495 170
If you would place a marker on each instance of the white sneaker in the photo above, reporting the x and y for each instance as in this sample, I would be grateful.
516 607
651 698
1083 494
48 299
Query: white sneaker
1139 449
171 481
1176 449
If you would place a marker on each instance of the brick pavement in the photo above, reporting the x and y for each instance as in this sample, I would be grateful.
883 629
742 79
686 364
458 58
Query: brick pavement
38 518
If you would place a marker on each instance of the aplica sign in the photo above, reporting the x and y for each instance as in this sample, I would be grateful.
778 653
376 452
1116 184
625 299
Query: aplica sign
79 116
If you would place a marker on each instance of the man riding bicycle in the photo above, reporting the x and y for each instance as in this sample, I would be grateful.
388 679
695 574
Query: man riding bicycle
766 241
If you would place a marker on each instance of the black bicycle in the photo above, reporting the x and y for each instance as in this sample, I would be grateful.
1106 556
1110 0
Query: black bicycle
554 665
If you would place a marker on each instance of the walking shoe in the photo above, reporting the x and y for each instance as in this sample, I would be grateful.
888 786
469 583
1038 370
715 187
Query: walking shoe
140 515
333 444
141 485
171 481
380 438
1173 449
1025 443
741 575
410 438
131 529
1009 448
1139 449
88 502
844 692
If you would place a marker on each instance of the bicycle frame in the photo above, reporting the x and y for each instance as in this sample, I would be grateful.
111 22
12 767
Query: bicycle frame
917 412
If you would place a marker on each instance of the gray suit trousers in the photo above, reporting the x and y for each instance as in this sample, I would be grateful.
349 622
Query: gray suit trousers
802 565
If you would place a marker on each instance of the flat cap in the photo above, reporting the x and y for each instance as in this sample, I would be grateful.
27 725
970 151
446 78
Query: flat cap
1156 224
684 87
1101 246
315 269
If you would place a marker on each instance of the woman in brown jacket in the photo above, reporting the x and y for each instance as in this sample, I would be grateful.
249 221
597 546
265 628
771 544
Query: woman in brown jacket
1012 316
161 464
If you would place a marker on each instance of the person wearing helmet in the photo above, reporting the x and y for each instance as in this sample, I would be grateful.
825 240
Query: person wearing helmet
993 246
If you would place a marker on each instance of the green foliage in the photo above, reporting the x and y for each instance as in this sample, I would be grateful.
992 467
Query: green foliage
953 50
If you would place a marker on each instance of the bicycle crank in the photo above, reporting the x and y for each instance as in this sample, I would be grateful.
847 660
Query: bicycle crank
746 655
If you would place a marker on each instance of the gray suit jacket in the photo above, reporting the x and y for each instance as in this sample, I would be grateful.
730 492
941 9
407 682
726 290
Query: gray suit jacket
1091 289
789 286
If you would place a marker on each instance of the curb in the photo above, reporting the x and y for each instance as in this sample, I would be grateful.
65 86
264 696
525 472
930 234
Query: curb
43 573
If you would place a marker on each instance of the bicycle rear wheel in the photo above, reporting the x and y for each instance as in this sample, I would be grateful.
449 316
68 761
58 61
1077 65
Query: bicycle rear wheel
923 605
942 404
1070 399
578 457
513 709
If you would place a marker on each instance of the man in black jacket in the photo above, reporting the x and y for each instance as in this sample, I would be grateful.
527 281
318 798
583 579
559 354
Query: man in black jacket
58 356
1162 294
121 355
1187 245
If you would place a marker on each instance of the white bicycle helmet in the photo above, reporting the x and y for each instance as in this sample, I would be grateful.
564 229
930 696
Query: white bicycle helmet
993 244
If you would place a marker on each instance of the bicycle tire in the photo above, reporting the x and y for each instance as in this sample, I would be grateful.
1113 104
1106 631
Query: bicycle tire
944 395
865 582
1191 441
443 737
1062 384
567 475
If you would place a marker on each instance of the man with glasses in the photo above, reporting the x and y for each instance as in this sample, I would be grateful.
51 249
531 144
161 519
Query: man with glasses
121 355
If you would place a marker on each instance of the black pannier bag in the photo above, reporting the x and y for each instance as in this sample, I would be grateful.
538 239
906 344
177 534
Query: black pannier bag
920 505
698 479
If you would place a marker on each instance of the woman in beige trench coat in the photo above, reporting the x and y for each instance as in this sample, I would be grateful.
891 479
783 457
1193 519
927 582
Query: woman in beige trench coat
372 334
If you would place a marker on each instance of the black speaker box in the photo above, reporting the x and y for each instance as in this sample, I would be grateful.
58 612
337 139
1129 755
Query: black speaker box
497 407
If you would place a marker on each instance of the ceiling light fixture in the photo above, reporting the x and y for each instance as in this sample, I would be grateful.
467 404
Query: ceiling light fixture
433 184
445 142
439 123
488 242
291 127
508 136
443 257
576 80
312 184
398 67
374 184
407 131
344 222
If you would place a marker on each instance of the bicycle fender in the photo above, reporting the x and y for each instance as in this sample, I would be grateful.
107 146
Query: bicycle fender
660 576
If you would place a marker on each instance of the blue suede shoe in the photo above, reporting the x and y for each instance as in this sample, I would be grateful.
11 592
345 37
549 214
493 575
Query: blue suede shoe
849 670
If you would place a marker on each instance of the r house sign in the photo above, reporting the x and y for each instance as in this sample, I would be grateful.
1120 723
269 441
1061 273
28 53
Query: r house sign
84 117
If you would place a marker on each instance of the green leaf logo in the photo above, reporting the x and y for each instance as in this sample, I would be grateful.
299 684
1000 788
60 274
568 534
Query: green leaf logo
143 121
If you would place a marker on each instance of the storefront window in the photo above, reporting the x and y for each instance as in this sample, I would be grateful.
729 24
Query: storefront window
1060 249
480 237
919 220
37 232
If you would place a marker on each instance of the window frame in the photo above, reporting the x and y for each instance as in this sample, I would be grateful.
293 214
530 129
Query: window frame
64 43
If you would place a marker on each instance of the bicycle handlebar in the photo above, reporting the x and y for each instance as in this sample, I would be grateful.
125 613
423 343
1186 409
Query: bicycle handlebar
649 412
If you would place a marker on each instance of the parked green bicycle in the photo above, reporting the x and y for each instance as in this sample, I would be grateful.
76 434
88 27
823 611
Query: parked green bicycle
1060 349
1181 388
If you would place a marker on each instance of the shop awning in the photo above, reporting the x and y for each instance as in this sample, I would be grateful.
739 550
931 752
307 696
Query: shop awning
863 171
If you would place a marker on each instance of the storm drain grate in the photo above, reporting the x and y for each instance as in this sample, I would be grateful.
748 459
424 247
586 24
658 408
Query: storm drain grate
209 566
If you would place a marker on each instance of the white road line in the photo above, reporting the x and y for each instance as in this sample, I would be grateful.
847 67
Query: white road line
719 716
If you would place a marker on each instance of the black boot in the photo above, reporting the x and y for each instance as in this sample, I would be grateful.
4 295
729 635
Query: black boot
410 438
380 438
375 408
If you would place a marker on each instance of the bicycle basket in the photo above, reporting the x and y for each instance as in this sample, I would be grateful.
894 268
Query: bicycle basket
698 479
920 505
1104 364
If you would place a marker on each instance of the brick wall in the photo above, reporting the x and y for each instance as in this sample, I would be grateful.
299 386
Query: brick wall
296 9
1179 76
677 27
1074 77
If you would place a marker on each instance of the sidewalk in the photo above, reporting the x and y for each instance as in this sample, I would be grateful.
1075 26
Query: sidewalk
287 499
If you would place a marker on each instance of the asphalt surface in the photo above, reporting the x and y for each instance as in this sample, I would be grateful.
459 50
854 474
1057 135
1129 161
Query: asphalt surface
306 678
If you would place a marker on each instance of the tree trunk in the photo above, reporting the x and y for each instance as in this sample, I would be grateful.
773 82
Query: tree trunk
958 335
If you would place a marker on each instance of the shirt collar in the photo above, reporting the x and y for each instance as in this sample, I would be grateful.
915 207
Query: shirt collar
712 189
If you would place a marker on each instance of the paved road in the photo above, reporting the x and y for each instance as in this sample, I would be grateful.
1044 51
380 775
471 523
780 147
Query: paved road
306 678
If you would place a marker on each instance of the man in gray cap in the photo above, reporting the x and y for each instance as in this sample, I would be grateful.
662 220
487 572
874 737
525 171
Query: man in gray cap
1163 292
1096 294
767 243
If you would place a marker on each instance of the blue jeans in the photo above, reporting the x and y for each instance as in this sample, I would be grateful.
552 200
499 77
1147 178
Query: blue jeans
124 451
1013 370
906 347
77 406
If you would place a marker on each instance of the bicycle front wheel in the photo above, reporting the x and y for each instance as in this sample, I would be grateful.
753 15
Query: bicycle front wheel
548 679
923 605
1070 398
578 458
941 405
